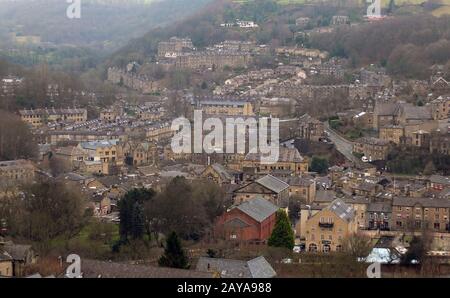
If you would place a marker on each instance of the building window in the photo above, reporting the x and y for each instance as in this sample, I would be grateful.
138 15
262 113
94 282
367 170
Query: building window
312 247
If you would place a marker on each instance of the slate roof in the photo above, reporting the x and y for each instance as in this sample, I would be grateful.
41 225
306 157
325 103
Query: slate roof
273 183
285 155
258 208
17 251
98 144
96 269
229 268
425 202
323 196
384 207
4 256
419 113
342 210
222 171
445 180
387 109
372 141
298 181
260 268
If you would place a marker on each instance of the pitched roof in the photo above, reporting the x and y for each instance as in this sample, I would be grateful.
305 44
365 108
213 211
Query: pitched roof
222 171
384 207
258 208
425 202
260 268
298 181
98 144
440 179
17 251
285 155
4 256
413 112
229 268
225 267
272 183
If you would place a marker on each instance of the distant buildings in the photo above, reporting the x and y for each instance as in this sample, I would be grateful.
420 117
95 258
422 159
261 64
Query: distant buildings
241 24
268 187
310 128
340 20
17 171
212 60
39 117
174 47
223 106
9 86
290 162
131 80
372 148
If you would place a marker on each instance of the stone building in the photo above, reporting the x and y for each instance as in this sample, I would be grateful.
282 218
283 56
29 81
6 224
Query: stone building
420 213
440 142
140 153
212 60
310 128
372 148
289 161
391 133
133 81
268 187
41 117
17 171
441 108
326 229
223 106
340 20
174 47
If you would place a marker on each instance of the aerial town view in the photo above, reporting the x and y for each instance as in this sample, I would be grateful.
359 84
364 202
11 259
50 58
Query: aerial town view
215 139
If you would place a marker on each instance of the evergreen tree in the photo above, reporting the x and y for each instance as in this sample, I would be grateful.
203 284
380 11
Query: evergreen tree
131 213
282 234
137 221
319 165
174 255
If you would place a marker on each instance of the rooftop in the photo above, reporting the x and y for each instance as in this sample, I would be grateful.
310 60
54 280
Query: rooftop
272 183
228 268
258 208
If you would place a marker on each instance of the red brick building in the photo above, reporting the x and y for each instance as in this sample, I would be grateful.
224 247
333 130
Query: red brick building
253 220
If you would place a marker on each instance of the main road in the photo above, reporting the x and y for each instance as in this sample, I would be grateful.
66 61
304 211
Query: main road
343 145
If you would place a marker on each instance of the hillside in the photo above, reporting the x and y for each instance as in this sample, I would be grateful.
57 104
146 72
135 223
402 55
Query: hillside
275 17
103 25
